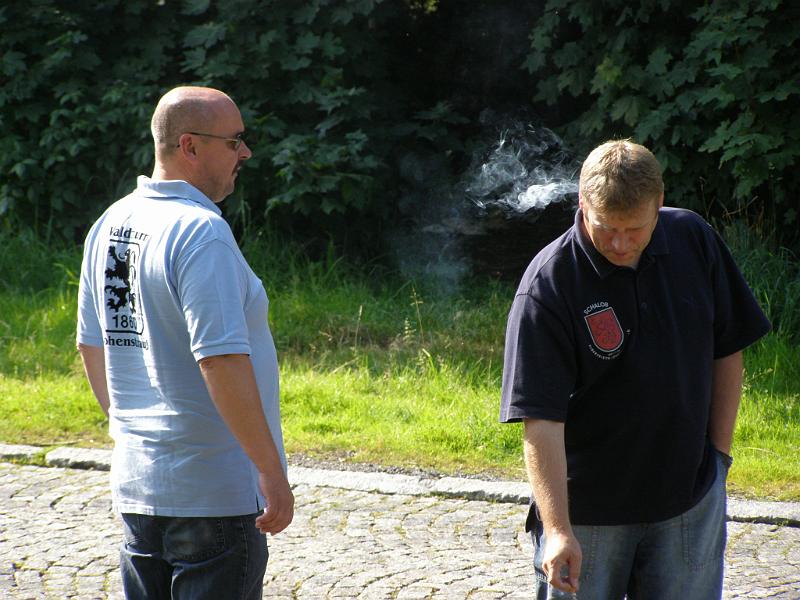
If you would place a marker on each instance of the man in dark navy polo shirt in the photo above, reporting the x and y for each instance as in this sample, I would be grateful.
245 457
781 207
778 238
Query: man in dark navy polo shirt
624 361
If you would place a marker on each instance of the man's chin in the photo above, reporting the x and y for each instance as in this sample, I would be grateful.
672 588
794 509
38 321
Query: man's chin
227 193
625 260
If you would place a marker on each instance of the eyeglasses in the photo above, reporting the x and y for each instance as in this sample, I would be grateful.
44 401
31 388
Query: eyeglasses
237 141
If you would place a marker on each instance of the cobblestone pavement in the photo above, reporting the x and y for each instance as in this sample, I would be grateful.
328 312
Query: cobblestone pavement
59 538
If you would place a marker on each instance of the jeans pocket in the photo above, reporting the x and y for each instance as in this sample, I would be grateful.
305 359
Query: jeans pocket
703 528
193 539
128 534
725 460
134 530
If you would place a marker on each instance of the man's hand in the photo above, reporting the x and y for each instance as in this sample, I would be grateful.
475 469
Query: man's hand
280 505
562 561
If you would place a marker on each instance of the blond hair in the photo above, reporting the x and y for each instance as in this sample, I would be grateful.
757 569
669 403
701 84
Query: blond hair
620 175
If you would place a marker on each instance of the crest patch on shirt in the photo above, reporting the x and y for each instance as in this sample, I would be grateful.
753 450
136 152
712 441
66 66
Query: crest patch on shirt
604 327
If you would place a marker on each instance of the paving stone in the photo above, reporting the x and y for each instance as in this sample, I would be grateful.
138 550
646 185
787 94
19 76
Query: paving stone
80 458
59 540
17 452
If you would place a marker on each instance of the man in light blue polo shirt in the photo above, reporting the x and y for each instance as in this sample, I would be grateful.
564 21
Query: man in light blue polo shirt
173 333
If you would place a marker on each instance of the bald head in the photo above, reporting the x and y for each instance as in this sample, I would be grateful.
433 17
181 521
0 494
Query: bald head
184 109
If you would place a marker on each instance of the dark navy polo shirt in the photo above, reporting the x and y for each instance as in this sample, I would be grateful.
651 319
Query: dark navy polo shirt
624 358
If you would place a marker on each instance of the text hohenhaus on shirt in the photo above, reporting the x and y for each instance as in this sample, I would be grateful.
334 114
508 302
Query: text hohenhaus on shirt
126 342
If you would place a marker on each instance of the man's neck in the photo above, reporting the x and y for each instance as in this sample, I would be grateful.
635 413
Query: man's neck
161 173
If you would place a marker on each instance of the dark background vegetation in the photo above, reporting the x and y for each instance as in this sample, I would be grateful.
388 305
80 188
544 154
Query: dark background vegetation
361 112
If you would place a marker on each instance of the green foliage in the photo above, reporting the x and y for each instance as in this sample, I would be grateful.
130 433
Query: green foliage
73 120
80 80
773 276
32 265
711 87
360 113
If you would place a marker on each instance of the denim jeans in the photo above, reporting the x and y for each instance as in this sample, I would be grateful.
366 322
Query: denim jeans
678 558
192 557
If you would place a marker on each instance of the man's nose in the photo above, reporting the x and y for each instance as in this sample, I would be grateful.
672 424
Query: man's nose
619 243
244 151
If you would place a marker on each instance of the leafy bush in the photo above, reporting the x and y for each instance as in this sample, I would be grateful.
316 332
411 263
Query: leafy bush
711 87
80 81
363 114
79 85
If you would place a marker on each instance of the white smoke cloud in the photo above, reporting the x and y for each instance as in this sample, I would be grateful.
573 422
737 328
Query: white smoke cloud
527 169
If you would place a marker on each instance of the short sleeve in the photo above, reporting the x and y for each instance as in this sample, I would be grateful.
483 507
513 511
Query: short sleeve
738 319
212 286
89 331
539 366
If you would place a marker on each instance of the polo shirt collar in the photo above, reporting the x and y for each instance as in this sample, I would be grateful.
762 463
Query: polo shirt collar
658 246
160 189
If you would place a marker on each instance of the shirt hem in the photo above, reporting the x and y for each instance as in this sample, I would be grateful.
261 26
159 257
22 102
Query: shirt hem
219 350
167 511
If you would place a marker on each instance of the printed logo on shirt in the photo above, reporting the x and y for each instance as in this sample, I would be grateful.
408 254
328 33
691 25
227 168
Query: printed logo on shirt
604 329
122 293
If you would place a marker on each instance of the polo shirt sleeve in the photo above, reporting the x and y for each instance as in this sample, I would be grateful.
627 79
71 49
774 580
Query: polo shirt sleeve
212 287
539 365
738 319
89 330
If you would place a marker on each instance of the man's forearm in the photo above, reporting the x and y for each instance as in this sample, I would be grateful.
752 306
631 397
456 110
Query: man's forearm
94 365
726 393
232 386
546 463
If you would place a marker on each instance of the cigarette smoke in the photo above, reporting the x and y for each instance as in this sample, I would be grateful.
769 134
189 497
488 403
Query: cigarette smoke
527 170
496 206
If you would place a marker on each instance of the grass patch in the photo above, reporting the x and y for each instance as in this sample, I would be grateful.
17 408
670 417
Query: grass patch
375 367
429 415
767 439
37 333
51 410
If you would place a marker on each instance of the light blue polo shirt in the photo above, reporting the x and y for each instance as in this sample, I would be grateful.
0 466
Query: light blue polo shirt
164 284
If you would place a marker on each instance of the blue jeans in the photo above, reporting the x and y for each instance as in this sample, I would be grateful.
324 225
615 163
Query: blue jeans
678 558
192 557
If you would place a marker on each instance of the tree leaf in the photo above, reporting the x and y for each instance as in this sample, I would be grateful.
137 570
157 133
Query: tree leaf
13 63
295 63
306 43
205 35
195 7
658 60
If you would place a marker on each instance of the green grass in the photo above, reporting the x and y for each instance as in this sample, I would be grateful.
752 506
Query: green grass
374 367
774 274
49 410
430 415
767 440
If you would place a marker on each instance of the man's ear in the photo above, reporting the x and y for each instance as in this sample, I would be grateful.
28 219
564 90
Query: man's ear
187 147
661 200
